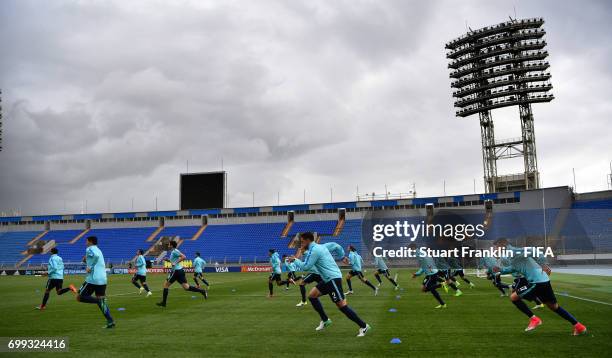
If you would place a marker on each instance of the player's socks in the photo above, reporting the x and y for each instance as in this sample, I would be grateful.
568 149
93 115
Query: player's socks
392 281
369 284
378 279
350 286
352 316
271 288
453 286
199 290
566 315
316 304
501 289
523 308
467 281
45 299
205 282
165 297
303 292
136 284
63 290
105 309
146 287
437 296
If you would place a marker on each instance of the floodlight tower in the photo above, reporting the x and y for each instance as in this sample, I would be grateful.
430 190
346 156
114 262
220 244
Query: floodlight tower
501 66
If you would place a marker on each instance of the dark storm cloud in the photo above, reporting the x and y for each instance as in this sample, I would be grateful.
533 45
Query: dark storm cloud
107 101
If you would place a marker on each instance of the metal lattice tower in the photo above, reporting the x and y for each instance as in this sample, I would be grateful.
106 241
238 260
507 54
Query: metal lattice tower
500 66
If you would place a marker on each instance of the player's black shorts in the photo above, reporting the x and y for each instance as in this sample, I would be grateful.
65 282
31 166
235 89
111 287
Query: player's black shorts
275 276
141 278
496 278
333 288
430 281
445 274
291 275
177 275
356 273
54 283
383 272
312 277
541 290
458 272
88 288
198 275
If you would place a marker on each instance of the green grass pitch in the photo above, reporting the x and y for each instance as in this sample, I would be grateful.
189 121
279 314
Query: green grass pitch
238 320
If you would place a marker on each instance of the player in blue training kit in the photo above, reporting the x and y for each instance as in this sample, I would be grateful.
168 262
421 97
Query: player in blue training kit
458 271
536 273
290 268
177 275
313 275
331 284
355 260
141 274
95 281
275 276
198 269
444 271
489 263
383 269
55 271
428 268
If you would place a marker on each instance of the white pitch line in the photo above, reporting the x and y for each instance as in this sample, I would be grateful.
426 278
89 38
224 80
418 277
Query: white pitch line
585 299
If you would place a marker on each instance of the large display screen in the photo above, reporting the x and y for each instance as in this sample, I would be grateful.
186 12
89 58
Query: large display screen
202 190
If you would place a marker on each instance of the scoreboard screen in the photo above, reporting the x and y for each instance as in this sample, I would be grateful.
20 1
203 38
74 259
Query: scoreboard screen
202 190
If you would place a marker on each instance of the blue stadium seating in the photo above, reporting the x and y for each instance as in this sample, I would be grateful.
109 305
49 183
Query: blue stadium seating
13 243
321 227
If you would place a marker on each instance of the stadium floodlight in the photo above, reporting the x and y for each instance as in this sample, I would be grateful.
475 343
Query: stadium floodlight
499 66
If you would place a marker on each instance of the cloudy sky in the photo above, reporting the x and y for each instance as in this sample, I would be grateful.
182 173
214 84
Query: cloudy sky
106 101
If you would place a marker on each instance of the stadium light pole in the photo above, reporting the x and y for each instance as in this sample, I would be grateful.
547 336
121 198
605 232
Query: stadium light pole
574 174
500 66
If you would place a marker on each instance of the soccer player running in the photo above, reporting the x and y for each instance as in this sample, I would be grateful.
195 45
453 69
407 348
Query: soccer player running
95 281
383 269
321 259
177 275
458 271
198 269
537 285
430 283
489 263
313 275
55 271
275 276
355 260
444 271
141 274
290 267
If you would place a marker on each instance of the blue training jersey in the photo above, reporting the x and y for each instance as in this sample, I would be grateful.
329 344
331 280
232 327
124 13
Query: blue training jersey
276 263
380 263
319 258
289 266
426 266
175 256
355 260
198 264
56 267
335 249
95 262
527 266
141 266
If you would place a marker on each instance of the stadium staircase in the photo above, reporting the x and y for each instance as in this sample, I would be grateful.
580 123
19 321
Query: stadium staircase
199 232
83 233
287 228
155 233
339 227
40 236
